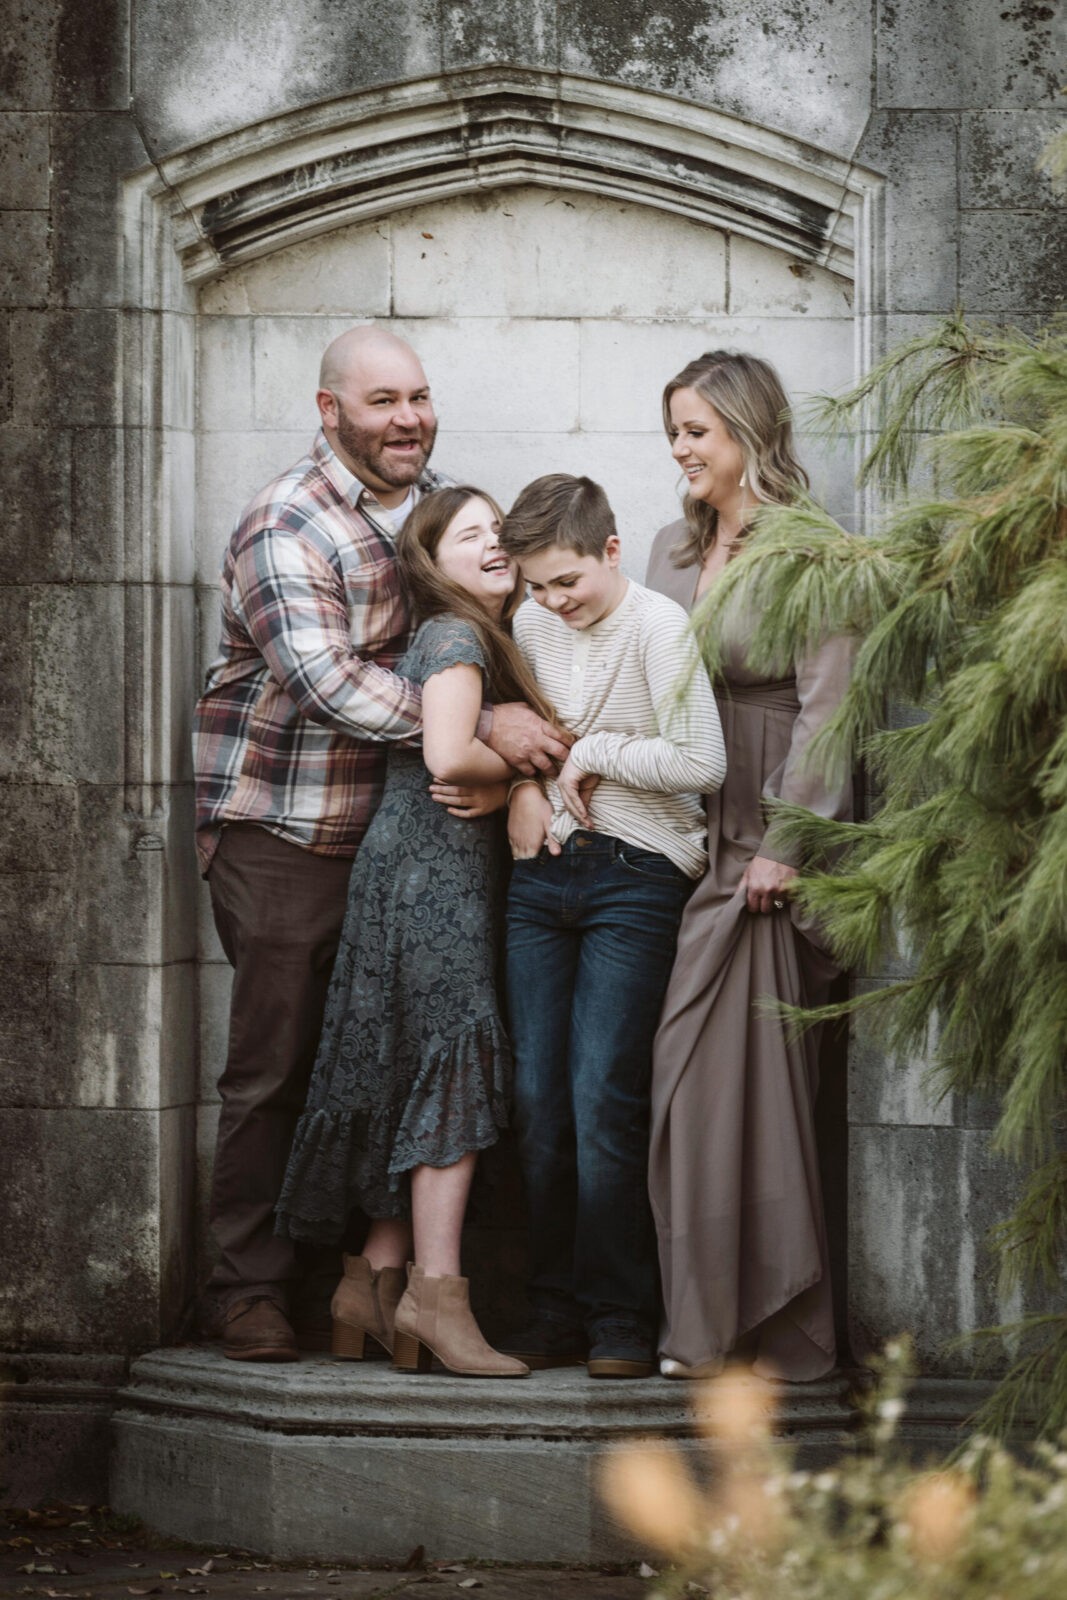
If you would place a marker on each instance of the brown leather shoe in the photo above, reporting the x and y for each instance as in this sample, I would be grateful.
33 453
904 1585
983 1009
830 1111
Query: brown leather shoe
257 1329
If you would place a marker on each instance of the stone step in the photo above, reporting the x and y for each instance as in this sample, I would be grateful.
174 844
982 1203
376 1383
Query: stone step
348 1462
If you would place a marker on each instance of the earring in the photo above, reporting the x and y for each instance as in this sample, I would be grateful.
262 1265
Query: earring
744 480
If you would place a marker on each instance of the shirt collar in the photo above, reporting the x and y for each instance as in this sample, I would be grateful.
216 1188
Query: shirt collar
356 494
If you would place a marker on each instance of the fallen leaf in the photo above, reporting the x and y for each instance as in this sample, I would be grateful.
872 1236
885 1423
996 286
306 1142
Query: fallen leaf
427 236
154 1589
415 1559
469 1583
200 1572
168 1575
31 1566
135 1563
261 1566
645 1571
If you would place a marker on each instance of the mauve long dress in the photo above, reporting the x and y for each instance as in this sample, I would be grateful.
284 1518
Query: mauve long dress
733 1169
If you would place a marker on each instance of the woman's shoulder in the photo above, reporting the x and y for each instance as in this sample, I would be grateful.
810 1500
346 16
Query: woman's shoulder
663 575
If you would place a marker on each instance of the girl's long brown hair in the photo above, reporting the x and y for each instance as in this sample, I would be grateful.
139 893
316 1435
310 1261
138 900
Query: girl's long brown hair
432 594
748 395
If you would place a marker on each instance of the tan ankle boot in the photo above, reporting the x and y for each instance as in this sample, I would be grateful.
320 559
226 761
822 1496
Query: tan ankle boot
365 1302
435 1319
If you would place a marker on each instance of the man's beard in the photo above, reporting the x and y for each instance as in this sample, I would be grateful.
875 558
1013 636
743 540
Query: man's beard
366 449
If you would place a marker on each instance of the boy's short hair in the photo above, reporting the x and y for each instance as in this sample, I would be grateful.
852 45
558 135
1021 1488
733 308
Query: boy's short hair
558 509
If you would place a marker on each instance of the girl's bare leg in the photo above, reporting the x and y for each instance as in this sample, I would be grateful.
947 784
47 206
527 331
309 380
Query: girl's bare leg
438 1204
388 1244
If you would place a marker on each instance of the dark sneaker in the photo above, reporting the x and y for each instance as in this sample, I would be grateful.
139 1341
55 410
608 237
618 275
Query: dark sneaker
546 1342
257 1329
618 1349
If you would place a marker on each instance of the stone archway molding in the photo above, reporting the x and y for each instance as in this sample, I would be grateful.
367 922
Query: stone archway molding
353 159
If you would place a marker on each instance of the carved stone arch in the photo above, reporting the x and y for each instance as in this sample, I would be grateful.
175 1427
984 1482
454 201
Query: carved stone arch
382 149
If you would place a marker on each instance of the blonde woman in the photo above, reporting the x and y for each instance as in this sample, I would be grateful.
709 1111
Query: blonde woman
413 1071
734 1174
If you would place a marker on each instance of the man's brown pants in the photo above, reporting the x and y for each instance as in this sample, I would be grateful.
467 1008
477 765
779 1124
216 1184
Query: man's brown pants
278 910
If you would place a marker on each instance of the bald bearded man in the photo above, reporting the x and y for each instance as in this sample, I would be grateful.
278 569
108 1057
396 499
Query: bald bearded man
290 738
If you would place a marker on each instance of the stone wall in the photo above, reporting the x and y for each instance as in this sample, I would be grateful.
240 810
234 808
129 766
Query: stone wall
138 406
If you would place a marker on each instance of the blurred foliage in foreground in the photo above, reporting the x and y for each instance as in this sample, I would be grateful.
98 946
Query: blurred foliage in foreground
960 607
988 1527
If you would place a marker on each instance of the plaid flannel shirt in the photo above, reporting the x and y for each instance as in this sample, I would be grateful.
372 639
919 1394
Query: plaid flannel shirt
292 728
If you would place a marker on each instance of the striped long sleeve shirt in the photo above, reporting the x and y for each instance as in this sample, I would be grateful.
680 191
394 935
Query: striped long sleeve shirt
300 704
656 745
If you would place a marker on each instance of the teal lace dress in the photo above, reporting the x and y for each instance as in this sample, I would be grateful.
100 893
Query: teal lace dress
414 1066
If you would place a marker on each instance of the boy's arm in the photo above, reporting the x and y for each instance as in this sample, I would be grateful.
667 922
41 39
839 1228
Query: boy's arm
687 755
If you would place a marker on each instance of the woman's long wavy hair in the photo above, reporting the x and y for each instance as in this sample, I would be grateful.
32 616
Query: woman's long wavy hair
432 594
748 395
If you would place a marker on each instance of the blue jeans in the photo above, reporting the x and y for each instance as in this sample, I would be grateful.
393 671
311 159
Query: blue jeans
590 942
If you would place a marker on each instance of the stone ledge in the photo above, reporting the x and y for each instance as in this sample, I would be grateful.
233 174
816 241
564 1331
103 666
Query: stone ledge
56 1413
353 1462
365 1399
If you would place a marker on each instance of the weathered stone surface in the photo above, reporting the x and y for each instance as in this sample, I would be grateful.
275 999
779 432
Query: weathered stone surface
514 252
36 910
1013 261
888 1091
345 273
80 1194
25 259
38 1028
26 57
286 356
501 1471
101 459
177 1182
191 77
231 468
921 1203
24 161
624 367
64 365
763 280
136 1032
761 60
224 374
56 1438
91 155
136 879
999 153
950 54
35 530
36 828
917 152
497 32
92 54
73 638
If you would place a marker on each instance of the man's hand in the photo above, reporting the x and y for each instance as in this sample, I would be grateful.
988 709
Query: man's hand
766 884
575 788
526 741
529 823
470 799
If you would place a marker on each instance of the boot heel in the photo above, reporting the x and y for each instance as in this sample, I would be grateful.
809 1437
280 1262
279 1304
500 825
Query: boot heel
347 1342
410 1354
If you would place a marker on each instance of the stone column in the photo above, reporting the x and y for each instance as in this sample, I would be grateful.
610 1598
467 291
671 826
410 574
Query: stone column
96 618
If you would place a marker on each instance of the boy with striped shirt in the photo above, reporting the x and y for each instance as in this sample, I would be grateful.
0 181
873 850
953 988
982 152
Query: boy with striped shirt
605 857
